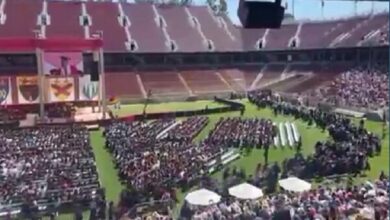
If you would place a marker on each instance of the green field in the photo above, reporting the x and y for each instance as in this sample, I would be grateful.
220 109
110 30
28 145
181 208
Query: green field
310 135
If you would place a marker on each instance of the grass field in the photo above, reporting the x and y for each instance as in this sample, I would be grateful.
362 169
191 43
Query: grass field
310 135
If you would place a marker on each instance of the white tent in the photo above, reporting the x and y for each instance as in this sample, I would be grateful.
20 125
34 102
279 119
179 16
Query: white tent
294 184
245 191
202 197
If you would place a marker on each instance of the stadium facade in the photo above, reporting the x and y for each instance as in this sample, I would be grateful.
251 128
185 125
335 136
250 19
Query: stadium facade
173 52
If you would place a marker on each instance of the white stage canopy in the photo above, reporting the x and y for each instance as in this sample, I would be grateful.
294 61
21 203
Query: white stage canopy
294 184
202 197
245 191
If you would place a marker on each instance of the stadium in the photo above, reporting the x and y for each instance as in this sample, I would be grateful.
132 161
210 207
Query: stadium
170 110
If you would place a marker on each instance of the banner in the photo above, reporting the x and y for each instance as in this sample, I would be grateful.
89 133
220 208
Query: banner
88 90
61 89
64 64
5 91
28 90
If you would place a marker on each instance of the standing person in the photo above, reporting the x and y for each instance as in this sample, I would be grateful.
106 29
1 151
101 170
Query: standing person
242 111
78 215
52 216
111 211
384 125
266 148
65 67
299 145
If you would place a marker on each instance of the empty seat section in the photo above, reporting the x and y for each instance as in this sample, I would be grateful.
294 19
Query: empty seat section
187 37
289 83
105 18
22 18
302 68
231 26
144 29
380 38
250 37
321 77
302 74
235 78
280 38
250 74
65 19
212 30
204 81
343 26
309 84
123 85
163 83
358 34
271 73
311 33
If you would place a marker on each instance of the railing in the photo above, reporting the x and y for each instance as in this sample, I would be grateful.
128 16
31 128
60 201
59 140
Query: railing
225 27
258 77
340 38
2 5
265 37
2 18
160 21
211 12
47 19
120 9
126 23
195 21
297 36
84 15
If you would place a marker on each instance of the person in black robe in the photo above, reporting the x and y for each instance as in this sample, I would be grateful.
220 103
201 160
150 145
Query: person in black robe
111 211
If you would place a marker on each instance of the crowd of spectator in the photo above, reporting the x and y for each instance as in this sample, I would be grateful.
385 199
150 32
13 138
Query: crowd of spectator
46 165
365 201
360 87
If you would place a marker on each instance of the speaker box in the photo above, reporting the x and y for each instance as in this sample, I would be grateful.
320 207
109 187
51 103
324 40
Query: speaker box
255 14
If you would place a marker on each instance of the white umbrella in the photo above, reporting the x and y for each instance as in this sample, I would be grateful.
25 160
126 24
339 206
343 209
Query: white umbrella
245 191
202 197
294 184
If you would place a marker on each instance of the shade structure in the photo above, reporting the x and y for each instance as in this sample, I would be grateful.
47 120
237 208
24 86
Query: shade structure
202 197
245 191
294 184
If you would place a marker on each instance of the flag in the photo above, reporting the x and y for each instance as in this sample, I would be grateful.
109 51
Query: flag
322 3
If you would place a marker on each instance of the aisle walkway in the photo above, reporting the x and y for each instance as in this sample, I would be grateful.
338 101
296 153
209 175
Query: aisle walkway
106 168
107 174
